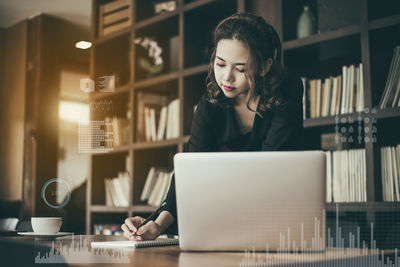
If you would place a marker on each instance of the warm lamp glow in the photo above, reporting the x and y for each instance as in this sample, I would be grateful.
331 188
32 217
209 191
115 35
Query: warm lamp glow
73 111
83 45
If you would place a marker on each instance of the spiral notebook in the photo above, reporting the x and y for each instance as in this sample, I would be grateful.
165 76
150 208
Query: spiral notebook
135 244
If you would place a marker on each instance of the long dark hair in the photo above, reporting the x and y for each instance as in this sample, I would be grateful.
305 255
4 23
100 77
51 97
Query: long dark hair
263 44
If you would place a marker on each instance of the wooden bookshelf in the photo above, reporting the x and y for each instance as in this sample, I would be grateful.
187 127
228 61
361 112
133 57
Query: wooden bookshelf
330 120
155 19
111 36
366 206
156 144
106 209
368 38
325 36
384 22
388 113
156 80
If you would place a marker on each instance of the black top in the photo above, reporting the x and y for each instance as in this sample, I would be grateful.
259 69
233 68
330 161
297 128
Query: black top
216 129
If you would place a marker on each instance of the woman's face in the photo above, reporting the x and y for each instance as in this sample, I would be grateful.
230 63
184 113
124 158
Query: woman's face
229 68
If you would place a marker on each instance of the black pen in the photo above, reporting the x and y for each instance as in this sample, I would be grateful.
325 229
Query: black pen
151 216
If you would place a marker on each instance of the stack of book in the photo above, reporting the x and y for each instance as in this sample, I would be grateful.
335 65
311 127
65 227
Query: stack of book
108 229
156 186
390 166
117 190
116 131
157 119
391 93
332 96
346 176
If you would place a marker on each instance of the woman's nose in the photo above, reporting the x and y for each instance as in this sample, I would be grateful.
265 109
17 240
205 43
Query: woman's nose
228 75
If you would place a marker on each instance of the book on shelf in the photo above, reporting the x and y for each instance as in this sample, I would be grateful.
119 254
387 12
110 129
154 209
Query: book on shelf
391 92
157 119
311 96
116 131
128 165
117 190
326 97
390 169
318 98
334 95
107 229
162 123
172 130
156 186
149 184
346 176
145 102
332 106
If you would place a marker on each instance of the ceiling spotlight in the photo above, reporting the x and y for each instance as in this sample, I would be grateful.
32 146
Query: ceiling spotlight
83 45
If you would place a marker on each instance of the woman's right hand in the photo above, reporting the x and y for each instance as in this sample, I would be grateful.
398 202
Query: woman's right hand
149 231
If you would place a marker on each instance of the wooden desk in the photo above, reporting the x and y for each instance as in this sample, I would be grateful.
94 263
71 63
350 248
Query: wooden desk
22 251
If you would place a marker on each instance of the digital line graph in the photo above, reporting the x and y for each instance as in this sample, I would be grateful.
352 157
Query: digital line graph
357 254
80 252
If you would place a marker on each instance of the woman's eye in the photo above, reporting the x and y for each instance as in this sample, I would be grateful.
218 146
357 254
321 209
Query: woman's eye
240 70
220 65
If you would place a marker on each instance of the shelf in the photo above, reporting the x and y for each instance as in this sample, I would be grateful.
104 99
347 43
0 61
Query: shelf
103 208
325 121
155 80
195 70
365 206
384 22
142 208
134 208
116 150
155 19
156 144
196 4
112 36
388 113
120 149
325 36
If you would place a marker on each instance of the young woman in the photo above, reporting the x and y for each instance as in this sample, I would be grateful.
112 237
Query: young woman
251 104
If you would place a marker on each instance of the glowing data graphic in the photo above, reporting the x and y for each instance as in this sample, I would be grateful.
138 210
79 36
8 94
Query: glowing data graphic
95 137
357 254
80 252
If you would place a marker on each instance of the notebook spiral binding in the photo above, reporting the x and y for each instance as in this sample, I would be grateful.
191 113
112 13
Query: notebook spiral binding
157 243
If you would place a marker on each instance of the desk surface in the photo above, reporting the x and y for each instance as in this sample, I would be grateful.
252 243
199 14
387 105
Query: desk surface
24 251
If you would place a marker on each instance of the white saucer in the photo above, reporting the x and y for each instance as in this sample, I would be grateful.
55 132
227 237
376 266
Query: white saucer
45 235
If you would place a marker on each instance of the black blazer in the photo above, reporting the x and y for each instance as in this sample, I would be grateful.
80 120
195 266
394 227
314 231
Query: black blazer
216 129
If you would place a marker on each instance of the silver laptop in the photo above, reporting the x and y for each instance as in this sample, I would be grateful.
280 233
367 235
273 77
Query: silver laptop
235 201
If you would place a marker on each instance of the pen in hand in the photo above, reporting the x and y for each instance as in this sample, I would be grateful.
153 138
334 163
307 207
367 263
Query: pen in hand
152 215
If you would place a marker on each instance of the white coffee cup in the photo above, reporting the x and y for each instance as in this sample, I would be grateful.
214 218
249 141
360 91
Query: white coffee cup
46 225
